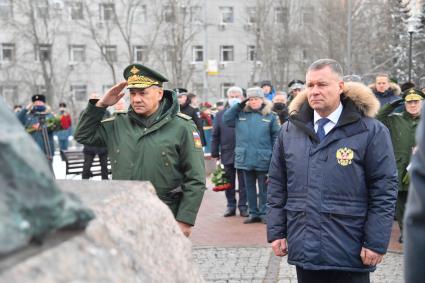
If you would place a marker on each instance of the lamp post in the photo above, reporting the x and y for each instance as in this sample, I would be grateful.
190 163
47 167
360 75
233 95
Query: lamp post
411 28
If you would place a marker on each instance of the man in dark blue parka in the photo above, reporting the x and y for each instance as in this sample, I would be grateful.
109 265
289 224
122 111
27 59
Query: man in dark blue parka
332 181
223 147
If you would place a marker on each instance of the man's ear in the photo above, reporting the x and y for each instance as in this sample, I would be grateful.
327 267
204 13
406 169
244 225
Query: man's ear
341 86
160 94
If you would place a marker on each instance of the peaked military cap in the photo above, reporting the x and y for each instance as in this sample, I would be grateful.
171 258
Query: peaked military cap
413 94
38 97
180 91
139 76
295 84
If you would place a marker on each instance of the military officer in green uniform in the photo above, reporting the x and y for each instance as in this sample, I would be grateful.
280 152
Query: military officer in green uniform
402 128
152 141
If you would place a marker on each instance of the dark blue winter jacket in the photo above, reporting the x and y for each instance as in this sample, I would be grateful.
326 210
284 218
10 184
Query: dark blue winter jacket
332 198
223 140
390 95
255 133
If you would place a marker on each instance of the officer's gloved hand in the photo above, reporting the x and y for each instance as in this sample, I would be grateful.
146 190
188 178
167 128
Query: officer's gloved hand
243 103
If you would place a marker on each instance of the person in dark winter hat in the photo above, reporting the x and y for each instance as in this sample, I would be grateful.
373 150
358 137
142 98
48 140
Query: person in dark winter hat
402 127
185 108
38 97
294 87
268 89
407 86
35 118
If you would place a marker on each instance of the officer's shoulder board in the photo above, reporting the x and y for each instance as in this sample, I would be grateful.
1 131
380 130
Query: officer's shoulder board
108 119
184 116
395 114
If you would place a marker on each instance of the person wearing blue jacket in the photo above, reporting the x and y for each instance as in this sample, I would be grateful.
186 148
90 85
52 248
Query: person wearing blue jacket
256 129
35 118
332 181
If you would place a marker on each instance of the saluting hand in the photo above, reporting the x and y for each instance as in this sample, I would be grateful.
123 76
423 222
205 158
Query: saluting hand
113 95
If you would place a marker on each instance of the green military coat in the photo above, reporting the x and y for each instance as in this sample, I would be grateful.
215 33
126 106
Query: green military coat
402 128
167 153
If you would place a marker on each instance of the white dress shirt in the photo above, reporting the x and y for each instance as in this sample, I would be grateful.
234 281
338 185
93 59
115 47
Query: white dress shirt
333 117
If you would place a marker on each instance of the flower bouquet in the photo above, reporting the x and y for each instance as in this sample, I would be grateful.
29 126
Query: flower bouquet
220 180
52 124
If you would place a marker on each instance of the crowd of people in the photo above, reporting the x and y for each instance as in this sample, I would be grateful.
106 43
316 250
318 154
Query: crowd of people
324 165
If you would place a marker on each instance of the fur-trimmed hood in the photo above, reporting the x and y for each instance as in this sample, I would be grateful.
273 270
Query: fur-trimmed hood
361 95
395 87
267 109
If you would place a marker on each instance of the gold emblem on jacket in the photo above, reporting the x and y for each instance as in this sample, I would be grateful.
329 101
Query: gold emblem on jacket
344 156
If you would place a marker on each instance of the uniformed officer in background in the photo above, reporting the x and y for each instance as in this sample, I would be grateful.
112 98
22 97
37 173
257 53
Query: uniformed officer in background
152 142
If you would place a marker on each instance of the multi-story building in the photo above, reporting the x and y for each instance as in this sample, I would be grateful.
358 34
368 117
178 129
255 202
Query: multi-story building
70 48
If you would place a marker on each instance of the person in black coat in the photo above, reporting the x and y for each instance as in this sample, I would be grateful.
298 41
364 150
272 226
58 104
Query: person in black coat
223 147
279 106
414 230
90 153
193 113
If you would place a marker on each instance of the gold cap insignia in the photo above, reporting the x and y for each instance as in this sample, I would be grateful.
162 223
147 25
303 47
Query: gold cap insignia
134 70
344 156
413 95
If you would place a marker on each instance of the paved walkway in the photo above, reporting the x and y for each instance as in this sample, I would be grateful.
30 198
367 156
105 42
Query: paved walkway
229 251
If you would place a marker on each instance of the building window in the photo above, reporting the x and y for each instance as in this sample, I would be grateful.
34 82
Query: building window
7 52
226 53
141 14
110 53
42 10
76 10
139 53
308 15
251 53
168 13
79 92
196 14
77 53
252 15
107 11
6 9
224 88
43 52
197 53
226 14
281 15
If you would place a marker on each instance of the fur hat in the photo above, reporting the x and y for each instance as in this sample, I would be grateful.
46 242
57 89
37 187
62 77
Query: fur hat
254 92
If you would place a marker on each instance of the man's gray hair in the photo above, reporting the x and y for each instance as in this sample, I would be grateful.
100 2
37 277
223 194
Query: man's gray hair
322 63
234 89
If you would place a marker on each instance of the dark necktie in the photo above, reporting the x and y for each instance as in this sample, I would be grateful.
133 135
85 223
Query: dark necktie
320 130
